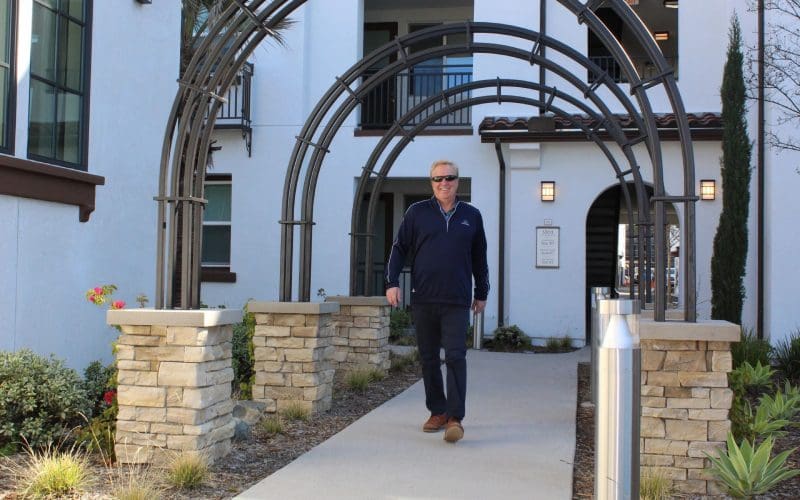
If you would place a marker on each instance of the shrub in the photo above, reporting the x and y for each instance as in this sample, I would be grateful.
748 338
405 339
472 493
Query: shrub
781 406
754 427
272 425
786 354
39 398
654 485
242 361
745 471
187 471
52 473
357 380
748 376
135 482
750 349
510 339
296 411
400 363
97 379
99 434
399 321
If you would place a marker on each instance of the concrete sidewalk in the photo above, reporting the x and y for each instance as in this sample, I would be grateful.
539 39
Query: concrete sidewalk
519 441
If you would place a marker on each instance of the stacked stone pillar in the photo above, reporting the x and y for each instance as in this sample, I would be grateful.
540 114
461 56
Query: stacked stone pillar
685 399
362 332
292 352
174 383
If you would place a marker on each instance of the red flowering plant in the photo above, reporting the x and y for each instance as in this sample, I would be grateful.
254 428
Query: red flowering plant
98 435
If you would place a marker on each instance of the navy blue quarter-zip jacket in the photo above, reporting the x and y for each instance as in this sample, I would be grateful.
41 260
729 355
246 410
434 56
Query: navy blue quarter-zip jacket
444 255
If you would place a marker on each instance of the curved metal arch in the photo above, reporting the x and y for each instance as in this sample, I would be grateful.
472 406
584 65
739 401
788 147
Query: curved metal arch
279 9
407 138
320 145
664 76
328 133
187 137
613 129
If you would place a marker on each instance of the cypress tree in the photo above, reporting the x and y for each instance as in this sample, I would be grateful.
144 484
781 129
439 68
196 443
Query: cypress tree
730 242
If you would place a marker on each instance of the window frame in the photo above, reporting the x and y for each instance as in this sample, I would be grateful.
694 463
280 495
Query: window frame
11 97
85 91
218 273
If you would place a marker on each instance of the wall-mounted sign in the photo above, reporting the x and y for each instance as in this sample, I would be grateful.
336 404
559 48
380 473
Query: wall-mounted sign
547 240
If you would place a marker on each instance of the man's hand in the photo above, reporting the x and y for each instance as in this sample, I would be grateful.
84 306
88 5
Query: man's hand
393 295
477 305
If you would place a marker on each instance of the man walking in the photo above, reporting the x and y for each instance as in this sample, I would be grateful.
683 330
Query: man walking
444 240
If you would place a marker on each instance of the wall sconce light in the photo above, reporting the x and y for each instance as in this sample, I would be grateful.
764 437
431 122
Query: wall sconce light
145 1
708 189
548 190
661 36
671 4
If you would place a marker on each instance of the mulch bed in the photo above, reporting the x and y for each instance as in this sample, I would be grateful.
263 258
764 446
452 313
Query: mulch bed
252 460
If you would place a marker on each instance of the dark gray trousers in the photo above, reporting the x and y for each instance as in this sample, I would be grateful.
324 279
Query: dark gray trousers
443 326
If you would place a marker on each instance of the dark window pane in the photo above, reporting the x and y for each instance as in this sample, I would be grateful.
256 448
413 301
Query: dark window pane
216 245
5 31
71 52
74 8
43 43
53 4
68 137
3 105
42 116
219 203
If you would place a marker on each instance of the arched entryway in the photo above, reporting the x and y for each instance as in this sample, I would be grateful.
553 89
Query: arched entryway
615 256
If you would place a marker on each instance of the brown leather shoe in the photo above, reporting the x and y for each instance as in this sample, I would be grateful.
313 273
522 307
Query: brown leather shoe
435 423
453 431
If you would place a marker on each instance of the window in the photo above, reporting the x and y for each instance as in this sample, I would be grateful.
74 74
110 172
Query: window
58 102
7 84
216 253
660 17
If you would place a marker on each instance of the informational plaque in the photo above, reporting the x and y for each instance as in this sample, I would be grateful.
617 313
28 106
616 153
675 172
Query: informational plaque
547 246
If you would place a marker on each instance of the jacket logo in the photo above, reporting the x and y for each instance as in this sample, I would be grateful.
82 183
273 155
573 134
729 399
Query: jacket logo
465 222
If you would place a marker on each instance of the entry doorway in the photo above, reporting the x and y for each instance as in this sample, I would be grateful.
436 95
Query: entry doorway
608 237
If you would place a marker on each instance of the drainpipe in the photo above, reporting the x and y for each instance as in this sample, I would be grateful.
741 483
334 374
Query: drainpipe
501 237
760 169
543 32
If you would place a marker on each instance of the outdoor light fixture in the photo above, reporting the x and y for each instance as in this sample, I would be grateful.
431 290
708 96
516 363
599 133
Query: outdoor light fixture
548 190
661 36
671 4
708 189
145 1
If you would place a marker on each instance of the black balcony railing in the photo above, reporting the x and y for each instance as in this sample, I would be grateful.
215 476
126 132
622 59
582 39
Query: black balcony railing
393 98
644 67
235 112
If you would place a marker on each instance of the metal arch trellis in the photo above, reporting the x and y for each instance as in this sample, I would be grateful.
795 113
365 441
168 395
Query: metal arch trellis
229 42
321 144
407 136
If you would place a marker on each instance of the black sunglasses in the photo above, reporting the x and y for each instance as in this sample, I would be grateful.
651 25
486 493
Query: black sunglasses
440 178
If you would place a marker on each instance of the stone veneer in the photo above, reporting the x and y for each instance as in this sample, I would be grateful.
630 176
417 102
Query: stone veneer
292 352
685 399
362 332
174 383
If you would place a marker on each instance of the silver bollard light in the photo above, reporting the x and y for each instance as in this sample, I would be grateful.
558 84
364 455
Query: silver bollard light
477 330
618 402
597 294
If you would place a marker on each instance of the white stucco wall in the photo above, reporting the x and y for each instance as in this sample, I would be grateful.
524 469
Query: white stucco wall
50 258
